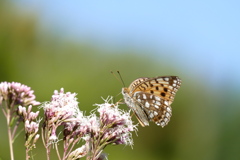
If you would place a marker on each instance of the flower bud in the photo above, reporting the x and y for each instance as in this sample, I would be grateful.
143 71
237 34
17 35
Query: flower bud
36 138
29 108
20 110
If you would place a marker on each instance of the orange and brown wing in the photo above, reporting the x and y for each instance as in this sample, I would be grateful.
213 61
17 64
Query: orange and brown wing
164 86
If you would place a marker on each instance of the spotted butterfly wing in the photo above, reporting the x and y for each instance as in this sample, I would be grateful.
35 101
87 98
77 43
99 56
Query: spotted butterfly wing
150 98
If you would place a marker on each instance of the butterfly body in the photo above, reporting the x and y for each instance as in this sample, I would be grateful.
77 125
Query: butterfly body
150 98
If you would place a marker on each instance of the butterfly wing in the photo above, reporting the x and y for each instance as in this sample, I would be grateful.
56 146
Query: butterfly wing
156 108
136 107
150 98
163 86
140 113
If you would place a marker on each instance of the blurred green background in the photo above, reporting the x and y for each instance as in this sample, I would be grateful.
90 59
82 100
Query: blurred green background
206 118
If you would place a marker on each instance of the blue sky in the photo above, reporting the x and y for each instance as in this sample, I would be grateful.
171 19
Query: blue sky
206 33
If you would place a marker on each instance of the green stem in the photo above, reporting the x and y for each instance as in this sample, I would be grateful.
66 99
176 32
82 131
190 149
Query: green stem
15 129
10 133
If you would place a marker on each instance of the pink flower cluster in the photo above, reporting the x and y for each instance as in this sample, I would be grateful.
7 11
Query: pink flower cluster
27 114
17 94
116 124
62 108
105 126
112 126
14 98
30 125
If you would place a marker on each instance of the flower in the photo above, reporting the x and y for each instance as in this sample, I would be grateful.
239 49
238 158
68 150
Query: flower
94 125
62 109
17 94
27 114
118 123
31 127
113 126
16 97
77 127
63 106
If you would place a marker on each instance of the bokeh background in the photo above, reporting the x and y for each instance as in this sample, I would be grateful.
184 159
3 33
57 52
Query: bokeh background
75 44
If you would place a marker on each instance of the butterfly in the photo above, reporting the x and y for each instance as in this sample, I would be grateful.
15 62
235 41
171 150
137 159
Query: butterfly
150 98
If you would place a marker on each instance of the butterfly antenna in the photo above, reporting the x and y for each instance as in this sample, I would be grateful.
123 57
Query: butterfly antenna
115 76
121 78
